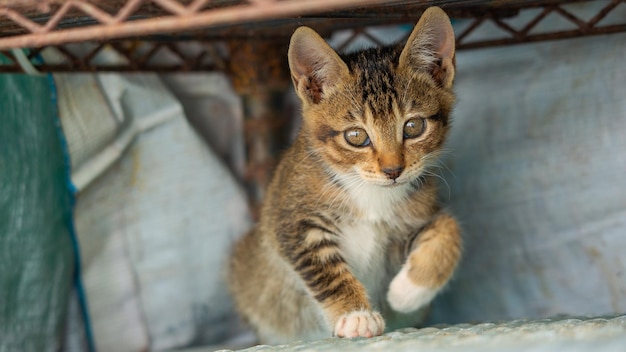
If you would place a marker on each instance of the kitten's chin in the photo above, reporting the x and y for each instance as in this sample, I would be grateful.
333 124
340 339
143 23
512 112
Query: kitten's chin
412 183
393 184
388 183
356 181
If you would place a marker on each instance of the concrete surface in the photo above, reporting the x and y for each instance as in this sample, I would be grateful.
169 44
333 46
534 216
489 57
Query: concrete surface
566 334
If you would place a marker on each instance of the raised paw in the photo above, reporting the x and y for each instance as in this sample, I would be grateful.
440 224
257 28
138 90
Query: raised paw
360 323
405 296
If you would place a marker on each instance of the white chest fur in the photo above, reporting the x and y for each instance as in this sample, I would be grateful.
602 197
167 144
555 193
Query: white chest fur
362 245
378 203
365 236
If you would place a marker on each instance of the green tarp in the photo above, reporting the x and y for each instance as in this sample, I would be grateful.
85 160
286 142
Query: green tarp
36 257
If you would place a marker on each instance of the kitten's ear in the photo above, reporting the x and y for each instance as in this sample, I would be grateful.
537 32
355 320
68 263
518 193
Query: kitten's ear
431 47
316 69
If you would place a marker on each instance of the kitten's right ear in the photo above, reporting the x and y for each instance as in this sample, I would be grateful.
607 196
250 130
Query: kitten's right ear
316 69
430 47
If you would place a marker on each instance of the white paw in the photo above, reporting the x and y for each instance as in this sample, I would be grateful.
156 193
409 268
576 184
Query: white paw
360 323
404 296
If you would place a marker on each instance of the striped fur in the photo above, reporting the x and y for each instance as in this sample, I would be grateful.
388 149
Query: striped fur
346 247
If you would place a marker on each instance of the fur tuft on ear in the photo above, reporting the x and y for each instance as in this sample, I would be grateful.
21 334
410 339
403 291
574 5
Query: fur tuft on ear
430 47
316 69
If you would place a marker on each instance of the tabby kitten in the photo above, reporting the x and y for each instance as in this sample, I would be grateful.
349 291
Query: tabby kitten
351 235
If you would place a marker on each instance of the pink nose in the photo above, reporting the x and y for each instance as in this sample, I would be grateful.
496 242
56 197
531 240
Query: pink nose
393 172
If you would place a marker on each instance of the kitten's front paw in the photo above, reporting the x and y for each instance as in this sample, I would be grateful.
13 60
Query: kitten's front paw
405 296
360 323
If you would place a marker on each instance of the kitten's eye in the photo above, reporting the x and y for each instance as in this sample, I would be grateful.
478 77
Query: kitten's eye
357 137
414 128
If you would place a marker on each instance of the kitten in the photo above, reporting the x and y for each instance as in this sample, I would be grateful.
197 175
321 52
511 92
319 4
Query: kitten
351 235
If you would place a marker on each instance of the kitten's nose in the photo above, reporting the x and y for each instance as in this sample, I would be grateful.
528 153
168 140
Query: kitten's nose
393 172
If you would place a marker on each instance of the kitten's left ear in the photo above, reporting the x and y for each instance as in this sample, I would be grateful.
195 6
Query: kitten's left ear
316 69
430 47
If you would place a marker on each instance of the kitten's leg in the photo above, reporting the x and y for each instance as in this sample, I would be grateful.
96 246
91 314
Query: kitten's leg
343 298
430 264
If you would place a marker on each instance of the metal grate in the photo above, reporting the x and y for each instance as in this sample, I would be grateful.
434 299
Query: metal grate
525 33
195 35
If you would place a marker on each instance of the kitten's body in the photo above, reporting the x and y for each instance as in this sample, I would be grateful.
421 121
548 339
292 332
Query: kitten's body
341 220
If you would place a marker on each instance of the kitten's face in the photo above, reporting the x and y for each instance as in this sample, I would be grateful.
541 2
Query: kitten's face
383 126
378 116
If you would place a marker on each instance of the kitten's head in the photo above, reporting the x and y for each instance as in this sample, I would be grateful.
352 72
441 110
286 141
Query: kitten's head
379 115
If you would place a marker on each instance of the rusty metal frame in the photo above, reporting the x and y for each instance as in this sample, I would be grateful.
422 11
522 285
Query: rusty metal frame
194 15
525 35
138 35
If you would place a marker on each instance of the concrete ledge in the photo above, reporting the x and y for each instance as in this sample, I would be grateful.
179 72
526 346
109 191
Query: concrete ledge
566 334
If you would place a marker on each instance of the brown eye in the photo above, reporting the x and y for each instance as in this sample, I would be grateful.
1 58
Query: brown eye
414 128
357 137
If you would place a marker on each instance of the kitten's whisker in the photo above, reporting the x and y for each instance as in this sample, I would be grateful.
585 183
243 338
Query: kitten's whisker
442 165
435 159
430 173
447 168
432 160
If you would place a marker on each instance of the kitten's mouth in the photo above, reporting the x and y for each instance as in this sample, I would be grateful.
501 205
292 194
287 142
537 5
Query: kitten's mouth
415 183
392 184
